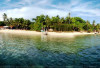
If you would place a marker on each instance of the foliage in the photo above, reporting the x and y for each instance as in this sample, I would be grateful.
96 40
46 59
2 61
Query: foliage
31 26
2 23
37 26
57 23
90 30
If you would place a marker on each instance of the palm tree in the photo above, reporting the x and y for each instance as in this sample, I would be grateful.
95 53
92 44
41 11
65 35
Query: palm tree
5 18
11 21
62 20
53 22
58 19
93 23
69 17
47 21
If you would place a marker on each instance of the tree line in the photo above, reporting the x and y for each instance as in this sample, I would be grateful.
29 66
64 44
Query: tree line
56 23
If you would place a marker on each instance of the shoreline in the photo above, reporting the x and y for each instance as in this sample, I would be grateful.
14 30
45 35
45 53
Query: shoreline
27 32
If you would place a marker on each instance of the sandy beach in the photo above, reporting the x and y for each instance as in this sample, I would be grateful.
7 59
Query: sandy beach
25 32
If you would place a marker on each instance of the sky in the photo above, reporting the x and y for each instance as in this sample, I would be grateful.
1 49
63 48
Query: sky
28 9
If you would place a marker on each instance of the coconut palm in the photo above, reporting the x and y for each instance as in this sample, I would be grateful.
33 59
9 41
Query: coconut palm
5 18
47 21
69 17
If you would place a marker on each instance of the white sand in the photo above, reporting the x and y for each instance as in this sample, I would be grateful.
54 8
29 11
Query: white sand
68 34
24 32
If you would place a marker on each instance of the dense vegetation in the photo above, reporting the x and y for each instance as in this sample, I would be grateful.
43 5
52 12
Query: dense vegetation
56 23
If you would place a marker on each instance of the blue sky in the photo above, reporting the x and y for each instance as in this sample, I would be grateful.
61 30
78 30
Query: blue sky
28 9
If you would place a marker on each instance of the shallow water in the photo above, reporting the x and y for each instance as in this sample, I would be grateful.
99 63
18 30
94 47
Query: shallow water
46 51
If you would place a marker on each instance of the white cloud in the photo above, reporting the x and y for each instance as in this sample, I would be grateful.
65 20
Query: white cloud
33 8
31 12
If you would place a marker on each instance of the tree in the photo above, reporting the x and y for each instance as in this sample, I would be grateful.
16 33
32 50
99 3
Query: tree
2 23
47 21
97 27
31 26
80 20
54 22
69 17
57 23
11 21
93 23
5 18
26 24
38 26
87 25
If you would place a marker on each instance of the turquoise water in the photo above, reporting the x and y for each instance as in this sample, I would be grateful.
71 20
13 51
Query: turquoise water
46 51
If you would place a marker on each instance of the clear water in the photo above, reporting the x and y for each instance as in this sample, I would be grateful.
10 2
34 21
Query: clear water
46 51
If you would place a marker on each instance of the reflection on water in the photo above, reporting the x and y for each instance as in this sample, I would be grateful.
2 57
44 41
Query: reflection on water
43 37
44 51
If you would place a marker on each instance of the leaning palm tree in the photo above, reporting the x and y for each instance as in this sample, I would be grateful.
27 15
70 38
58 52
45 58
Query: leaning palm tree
5 18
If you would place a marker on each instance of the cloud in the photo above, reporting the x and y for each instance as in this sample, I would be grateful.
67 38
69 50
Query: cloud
32 12
32 8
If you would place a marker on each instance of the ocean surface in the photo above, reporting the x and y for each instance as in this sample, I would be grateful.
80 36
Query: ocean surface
48 51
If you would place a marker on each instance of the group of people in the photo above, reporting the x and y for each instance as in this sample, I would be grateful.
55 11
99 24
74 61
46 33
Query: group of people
44 31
